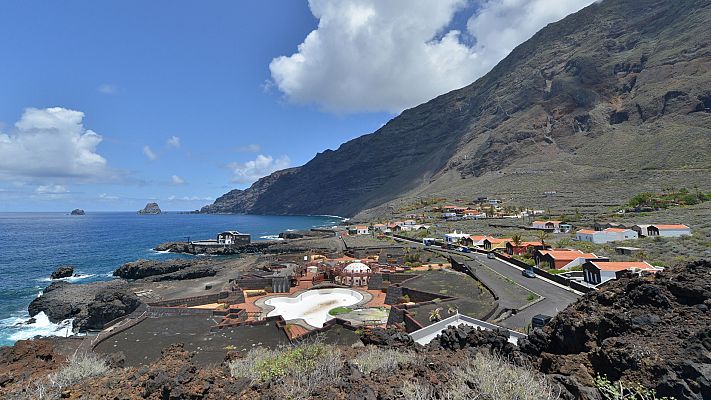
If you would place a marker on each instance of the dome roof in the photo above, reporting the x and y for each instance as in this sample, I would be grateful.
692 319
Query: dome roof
357 267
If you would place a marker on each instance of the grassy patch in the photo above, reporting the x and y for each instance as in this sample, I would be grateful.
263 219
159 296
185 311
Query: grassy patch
339 310
382 361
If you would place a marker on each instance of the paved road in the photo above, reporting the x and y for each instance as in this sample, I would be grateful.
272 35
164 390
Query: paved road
556 297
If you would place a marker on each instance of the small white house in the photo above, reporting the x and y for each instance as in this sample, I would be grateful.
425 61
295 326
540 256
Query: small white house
449 214
361 230
454 238
597 272
605 235
676 230
672 230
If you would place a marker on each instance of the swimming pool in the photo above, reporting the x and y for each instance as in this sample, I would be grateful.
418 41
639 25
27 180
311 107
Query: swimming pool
312 306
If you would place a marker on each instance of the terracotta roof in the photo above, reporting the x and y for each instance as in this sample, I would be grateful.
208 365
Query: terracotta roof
616 230
567 254
361 227
498 240
477 238
677 226
586 231
622 265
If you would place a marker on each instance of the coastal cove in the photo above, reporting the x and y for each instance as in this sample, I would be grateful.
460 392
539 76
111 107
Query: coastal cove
35 244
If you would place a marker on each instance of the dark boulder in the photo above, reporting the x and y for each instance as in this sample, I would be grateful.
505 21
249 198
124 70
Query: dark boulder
65 271
78 211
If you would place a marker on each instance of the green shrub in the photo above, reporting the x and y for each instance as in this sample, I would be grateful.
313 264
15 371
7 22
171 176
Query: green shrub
382 361
624 391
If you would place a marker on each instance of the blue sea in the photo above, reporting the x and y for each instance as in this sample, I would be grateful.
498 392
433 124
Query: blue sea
32 245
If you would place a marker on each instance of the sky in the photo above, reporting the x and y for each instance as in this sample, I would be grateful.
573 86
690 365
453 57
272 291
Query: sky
105 106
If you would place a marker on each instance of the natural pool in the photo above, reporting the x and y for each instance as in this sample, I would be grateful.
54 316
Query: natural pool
312 306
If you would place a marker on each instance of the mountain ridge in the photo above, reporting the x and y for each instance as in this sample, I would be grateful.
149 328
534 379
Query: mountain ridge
602 97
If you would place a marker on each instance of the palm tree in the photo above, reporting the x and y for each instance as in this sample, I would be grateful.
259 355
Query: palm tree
516 240
543 236
435 315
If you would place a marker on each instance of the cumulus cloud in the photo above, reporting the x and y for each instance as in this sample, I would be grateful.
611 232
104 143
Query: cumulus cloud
174 142
51 142
259 167
149 153
51 189
176 180
371 55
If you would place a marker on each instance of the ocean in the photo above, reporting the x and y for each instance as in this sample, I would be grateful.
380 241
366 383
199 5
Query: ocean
33 245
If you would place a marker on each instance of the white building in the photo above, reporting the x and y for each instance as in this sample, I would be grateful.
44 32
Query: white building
597 272
354 274
672 230
426 334
454 238
361 230
606 235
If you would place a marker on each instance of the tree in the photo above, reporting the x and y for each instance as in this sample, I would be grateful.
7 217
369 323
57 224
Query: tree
436 314
543 236
516 239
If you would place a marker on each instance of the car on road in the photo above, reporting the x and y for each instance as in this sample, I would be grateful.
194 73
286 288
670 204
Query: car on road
540 320
463 249
528 273
491 255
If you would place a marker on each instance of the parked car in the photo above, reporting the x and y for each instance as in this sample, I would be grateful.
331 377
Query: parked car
540 320
463 249
528 273
491 255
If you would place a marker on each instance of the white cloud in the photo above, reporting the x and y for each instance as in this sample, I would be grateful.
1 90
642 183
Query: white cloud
370 55
51 142
107 88
259 167
249 148
149 153
174 141
51 189
105 196
190 198
176 180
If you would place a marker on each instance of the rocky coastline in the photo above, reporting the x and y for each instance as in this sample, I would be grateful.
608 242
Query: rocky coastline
91 305
150 209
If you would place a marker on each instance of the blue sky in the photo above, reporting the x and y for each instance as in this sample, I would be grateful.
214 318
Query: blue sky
107 105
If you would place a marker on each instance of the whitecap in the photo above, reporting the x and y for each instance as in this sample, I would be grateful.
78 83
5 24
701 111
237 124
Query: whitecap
19 328
73 278
271 237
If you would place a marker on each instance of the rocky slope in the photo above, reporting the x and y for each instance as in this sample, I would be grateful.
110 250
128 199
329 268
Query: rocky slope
150 209
654 331
594 106
91 305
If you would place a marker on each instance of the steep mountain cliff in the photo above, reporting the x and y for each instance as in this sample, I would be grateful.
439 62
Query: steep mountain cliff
612 99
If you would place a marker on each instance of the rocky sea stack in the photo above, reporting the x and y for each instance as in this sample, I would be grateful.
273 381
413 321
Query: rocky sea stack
64 271
77 211
150 209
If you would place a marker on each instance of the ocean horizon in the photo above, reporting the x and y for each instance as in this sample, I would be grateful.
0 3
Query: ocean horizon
34 244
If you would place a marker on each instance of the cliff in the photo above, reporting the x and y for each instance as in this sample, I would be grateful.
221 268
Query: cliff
595 104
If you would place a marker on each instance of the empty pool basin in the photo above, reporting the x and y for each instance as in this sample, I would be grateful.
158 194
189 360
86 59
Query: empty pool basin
312 306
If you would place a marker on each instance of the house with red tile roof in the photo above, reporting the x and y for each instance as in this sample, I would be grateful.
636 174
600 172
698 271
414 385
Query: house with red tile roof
555 226
491 243
562 258
524 247
596 272
473 240
663 230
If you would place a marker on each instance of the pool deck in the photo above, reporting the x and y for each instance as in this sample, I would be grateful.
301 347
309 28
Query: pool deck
255 305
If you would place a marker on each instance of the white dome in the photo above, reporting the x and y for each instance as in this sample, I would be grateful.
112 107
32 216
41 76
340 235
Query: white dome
357 268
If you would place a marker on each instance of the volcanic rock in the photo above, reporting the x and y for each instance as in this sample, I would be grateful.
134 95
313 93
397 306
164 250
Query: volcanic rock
654 331
64 271
144 268
78 211
150 209
91 305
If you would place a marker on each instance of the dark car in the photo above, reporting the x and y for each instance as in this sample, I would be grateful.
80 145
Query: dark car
540 320
491 255
528 273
